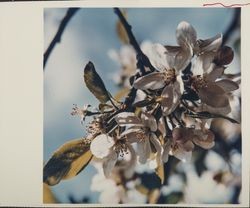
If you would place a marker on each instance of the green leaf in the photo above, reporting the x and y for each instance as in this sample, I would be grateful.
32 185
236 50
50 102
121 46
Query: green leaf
66 162
95 84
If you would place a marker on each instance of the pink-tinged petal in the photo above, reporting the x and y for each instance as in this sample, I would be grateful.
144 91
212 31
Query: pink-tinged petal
143 150
125 118
149 121
216 72
100 146
153 81
182 135
211 44
181 154
176 92
166 150
162 127
206 140
227 85
157 146
188 146
109 163
213 95
185 34
178 57
167 96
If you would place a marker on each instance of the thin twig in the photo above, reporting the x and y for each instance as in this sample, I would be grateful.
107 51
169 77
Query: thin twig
57 38
142 59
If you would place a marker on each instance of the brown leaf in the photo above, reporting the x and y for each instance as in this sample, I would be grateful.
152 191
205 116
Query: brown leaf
160 173
48 196
121 94
69 160
153 196
95 84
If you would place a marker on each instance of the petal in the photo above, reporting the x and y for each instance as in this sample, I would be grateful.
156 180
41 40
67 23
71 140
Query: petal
178 57
153 81
215 73
156 54
166 150
167 96
109 163
182 135
176 88
129 171
130 134
211 44
185 34
213 95
220 110
143 150
206 60
100 146
181 154
227 85
126 118
162 127
205 141
188 146
149 121
158 148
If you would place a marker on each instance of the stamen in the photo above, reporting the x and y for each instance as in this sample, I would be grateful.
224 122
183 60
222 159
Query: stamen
169 75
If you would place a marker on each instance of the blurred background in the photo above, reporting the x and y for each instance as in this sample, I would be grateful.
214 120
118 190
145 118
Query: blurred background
213 177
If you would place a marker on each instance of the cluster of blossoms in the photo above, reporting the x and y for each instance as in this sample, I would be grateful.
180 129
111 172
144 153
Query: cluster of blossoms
167 111
165 117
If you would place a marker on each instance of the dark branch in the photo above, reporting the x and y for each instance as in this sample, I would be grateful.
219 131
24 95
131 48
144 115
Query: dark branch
233 25
57 38
142 59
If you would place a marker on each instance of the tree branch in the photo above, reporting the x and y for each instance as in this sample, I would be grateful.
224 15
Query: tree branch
57 38
142 59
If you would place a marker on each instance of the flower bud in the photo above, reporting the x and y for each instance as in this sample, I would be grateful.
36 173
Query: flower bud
224 56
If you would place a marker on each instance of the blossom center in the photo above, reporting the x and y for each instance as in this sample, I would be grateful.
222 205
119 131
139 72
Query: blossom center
95 127
198 82
169 75
121 148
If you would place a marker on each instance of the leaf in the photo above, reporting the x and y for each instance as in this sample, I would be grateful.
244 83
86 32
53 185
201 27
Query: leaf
160 173
48 196
122 93
95 84
153 196
69 160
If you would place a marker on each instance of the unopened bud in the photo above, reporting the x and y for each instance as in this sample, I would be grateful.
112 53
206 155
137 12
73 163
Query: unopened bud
224 56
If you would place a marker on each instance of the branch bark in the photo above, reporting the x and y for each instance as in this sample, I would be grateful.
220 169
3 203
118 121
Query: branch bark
57 38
